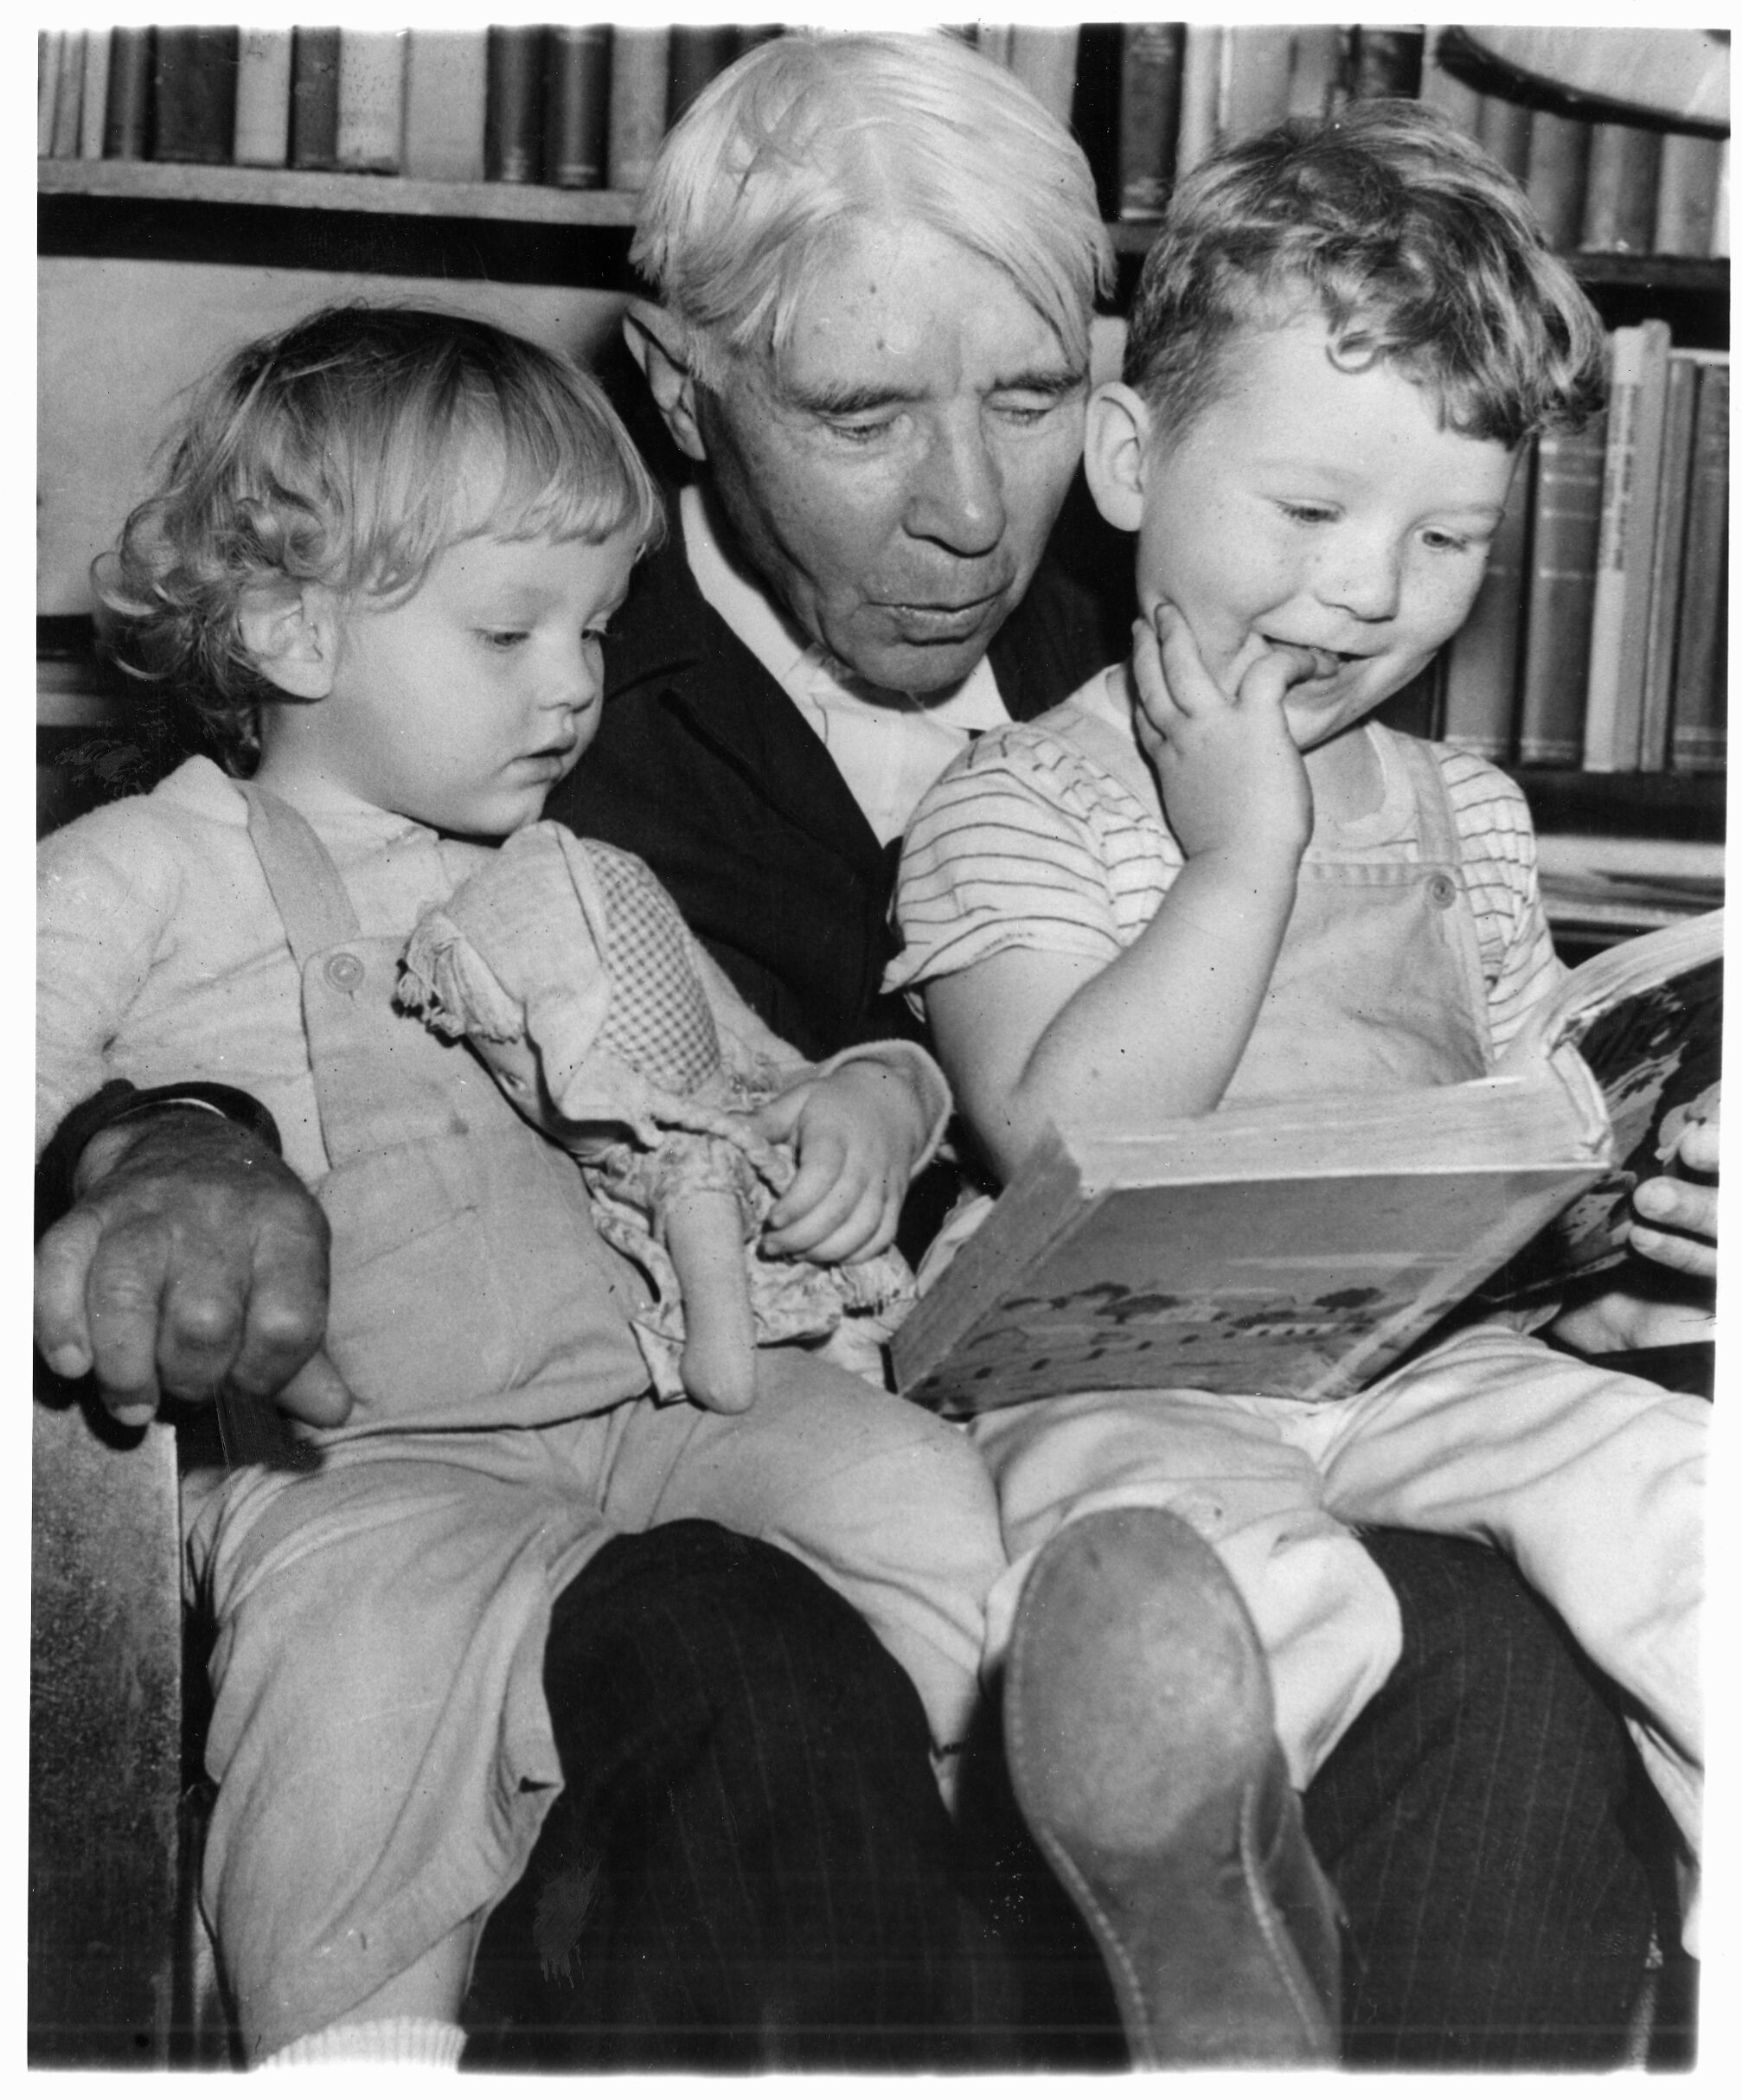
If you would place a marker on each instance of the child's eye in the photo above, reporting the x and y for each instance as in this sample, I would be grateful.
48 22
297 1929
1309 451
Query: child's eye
1309 514
1443 541
502 638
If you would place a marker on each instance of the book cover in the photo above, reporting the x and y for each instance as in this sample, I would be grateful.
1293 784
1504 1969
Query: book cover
1558 160
51 53
1150 59
1720 215
126 120
638 69
1698 736
697 52
94 101
194 94
444 103
263 98
69 95
577 91
1621 604
1045 60
1689 171
1299 1247
1386 61
1445 88
314 97
1258 72
372 100
1621 190
1201 95
1674 473
1483 658
513 104
1567 516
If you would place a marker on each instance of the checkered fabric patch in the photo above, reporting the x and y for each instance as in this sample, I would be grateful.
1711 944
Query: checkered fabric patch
660 1024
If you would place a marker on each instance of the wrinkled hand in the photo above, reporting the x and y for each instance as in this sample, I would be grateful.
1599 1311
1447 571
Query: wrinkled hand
193 1262
857 1134
1670 1302
1232 780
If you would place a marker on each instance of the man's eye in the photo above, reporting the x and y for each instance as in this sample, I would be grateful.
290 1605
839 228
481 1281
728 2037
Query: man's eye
1026 408
860 430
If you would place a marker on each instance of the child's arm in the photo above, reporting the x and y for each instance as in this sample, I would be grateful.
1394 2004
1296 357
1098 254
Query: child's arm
1026 1035
705 1241
862 1125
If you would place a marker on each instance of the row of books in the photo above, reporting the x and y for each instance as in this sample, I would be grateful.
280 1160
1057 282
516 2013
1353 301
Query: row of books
586 107
578 108
1599 639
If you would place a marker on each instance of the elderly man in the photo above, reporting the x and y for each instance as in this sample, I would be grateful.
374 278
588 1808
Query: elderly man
876 261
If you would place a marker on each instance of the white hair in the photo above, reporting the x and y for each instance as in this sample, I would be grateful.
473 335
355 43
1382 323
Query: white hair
810 136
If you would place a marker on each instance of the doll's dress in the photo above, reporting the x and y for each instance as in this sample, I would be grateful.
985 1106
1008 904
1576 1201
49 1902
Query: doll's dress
576 946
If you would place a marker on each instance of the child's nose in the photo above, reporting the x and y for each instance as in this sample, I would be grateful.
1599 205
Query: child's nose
1363 575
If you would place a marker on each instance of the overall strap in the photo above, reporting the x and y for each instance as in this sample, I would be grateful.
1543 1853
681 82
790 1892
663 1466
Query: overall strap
1438 837
312 899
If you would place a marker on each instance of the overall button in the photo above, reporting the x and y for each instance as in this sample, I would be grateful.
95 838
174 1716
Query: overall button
1442 890
344 972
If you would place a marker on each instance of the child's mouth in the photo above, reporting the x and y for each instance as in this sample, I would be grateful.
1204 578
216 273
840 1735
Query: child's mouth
1309 666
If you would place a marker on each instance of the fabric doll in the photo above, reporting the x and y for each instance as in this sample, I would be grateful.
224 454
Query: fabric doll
567 967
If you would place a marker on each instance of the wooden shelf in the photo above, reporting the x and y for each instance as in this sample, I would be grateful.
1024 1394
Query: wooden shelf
304 189
1679 805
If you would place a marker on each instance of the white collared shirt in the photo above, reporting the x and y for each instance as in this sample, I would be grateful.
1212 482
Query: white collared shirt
888 754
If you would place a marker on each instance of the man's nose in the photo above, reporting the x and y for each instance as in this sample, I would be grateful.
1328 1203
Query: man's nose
956 493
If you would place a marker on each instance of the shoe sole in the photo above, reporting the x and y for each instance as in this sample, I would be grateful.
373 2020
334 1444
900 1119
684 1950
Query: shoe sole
1139 1724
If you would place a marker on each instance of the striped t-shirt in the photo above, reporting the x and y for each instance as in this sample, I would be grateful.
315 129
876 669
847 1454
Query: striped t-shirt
1027 843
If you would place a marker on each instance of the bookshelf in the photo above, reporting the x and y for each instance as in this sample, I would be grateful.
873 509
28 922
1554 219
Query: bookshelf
284 224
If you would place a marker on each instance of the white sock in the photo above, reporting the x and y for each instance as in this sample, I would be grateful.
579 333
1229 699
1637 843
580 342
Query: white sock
433 2044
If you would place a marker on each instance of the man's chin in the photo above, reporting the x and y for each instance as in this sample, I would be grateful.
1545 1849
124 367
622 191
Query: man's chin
925 669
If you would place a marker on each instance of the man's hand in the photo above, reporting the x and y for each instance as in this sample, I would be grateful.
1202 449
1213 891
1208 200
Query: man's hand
193 1262
857 1134
1232 780
1676 1232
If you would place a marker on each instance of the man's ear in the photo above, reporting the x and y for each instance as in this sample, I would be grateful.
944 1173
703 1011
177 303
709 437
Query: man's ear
659 343
292 631
1116 454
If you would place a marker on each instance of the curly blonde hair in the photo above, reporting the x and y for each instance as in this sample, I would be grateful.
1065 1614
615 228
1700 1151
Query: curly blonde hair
346 451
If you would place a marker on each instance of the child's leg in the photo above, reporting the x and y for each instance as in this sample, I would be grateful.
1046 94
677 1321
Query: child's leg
378 1734
1325 1616
890 1505
1592 1482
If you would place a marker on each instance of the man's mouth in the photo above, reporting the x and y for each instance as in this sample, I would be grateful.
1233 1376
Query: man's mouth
940 622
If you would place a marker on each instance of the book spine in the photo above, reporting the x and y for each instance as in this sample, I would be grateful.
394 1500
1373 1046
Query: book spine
1560 159
194 95
445 72
1503 129
1317 71
577 88
1150 65
1688 177
69 95
1674 474
1045 61
1621 190
314 97
1567 512
1386 61
263 98
1200 96
1260 66
1623 558
636 124
51 52
1446 90
695 54
372 100
514 103
1720 215
1697 732
1482 665
126 120
95 100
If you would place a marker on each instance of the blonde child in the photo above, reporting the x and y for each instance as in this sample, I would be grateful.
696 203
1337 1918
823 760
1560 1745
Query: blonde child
1211 874
382 560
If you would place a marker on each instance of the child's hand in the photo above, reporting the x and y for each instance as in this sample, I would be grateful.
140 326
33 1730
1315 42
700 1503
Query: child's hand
857 1134
1232 780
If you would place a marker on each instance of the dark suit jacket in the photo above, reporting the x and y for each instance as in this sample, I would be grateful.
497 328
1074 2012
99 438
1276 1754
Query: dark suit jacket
705 767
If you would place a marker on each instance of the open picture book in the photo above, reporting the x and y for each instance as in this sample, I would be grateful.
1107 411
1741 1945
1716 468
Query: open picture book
1299 1247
